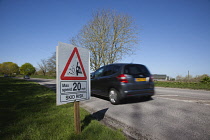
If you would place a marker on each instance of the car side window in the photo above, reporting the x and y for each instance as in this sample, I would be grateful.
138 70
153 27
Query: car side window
108 70
99 72
111 70
116 69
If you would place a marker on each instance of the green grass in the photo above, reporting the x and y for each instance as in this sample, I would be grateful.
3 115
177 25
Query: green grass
188 85
39 76
42 76
28 111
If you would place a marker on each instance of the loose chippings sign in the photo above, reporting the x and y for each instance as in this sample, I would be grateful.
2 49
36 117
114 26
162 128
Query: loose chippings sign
72 71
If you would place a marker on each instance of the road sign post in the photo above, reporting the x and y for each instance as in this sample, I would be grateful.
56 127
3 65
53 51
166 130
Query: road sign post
73 77
77 117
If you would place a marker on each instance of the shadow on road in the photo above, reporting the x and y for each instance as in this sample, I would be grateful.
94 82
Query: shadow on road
130 100
99 115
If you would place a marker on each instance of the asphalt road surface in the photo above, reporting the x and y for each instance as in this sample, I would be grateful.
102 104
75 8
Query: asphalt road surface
172 114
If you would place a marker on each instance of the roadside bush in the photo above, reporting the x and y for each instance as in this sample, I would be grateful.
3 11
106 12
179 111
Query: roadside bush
188 85
205 80
190 78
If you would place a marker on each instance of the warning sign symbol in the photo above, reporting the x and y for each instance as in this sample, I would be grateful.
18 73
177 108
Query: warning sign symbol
74 69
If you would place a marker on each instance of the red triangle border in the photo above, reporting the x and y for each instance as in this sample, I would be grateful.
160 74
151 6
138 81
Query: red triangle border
63 77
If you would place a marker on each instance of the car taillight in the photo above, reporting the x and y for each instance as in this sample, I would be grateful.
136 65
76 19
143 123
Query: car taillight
122 78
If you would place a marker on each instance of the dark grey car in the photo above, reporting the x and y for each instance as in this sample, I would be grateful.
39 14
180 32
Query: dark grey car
122 80
26 77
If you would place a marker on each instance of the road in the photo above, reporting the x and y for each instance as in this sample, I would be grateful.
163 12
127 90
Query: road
172 114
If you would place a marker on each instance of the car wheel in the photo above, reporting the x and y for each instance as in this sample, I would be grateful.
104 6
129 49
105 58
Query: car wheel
114 96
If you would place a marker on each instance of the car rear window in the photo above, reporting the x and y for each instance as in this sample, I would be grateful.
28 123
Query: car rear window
136 70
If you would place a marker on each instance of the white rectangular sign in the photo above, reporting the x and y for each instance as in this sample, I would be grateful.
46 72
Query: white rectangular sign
72 73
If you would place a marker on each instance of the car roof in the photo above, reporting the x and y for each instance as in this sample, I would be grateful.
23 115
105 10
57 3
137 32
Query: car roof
123 64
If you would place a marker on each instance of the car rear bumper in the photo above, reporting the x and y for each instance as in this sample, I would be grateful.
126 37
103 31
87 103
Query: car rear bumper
137 93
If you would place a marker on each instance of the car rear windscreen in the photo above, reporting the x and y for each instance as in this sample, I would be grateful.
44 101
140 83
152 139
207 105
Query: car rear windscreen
136 70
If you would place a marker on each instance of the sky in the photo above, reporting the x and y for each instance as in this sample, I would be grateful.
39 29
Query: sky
174 34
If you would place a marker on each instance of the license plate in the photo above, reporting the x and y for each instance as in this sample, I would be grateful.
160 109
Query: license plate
140 79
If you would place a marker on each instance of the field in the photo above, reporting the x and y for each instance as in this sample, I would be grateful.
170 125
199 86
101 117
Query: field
188 85
28 111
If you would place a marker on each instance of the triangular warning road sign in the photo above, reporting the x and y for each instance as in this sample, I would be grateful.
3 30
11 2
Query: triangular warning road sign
74 69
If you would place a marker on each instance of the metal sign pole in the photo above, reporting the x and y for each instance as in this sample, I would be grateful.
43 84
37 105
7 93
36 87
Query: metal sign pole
77 117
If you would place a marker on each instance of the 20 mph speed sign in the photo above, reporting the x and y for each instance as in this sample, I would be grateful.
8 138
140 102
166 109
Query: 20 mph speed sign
72 73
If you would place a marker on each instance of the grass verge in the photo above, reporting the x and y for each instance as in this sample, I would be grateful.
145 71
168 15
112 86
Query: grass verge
42 76
28 111
188 85
38 76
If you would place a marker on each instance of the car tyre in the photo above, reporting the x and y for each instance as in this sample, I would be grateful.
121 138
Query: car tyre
114 96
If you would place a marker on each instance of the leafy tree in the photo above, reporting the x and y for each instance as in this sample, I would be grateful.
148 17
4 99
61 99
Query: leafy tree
9 68
1 71
27 69
109 36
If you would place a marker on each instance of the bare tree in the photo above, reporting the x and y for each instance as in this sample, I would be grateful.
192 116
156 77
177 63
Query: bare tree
51 65
109 36
43 66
